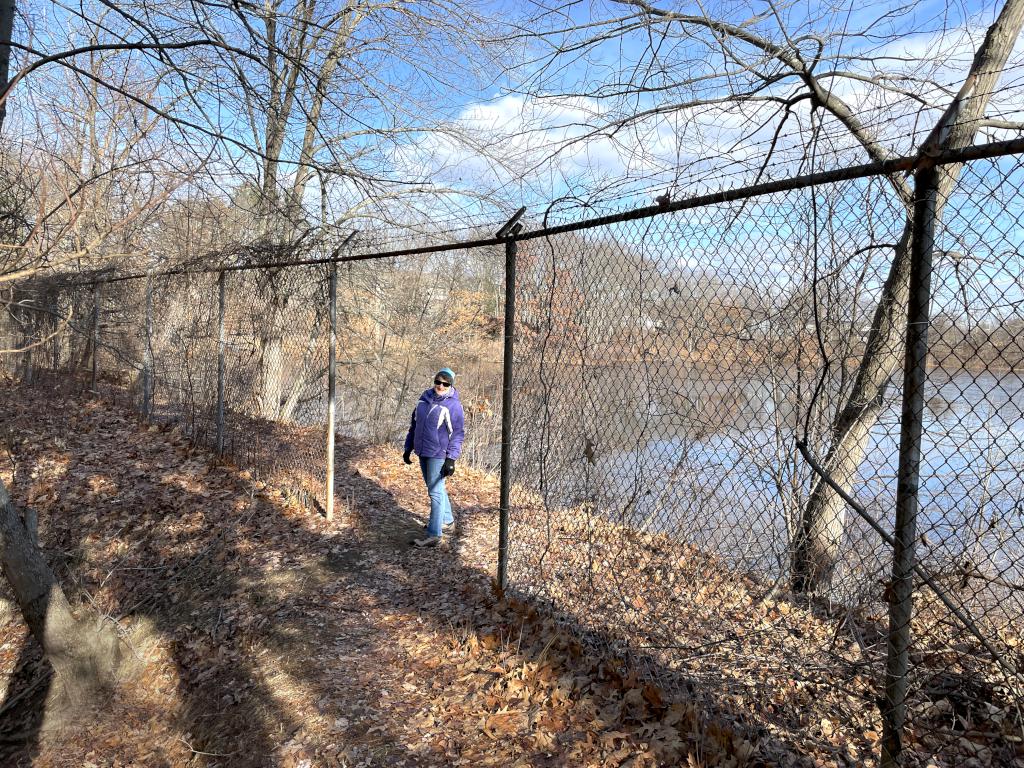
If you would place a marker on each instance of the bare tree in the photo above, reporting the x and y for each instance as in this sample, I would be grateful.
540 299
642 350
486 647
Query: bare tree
7 9
144 95
83 195
327 90
758 73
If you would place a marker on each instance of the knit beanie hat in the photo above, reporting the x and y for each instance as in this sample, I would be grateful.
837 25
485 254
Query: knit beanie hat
448 373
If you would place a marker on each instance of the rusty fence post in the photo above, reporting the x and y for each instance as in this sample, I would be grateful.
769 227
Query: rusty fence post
509 231
332 313
221 344
147 354
95 332
908 484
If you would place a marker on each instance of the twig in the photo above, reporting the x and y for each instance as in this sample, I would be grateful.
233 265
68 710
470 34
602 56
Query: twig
118 563
926 577
200 752
974 573
34 344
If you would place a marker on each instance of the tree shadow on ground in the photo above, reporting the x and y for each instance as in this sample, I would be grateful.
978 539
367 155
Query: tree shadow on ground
275 620
27 689
22 709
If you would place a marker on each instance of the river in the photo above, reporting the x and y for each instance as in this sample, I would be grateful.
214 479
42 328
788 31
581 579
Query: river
714 462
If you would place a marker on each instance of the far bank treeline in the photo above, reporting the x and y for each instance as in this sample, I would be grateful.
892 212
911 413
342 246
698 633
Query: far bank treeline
677 294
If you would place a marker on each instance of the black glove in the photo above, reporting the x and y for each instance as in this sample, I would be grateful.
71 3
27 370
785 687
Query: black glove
407 457
448 468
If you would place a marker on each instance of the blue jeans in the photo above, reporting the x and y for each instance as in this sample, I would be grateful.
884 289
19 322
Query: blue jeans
440 506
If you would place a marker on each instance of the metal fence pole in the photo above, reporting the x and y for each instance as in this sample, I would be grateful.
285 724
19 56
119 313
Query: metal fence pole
915 372
147 355
220 364
95 331
332 311
511 229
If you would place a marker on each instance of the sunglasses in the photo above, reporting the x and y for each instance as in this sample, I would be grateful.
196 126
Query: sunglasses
442 383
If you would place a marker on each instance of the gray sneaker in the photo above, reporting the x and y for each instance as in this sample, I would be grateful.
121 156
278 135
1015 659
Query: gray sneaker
428 541
445 527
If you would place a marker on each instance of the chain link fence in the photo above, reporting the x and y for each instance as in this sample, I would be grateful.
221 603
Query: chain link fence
968 687
689 381
238 360
669 365
667 371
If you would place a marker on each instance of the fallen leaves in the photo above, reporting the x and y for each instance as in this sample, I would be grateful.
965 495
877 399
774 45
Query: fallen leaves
504 723
323 644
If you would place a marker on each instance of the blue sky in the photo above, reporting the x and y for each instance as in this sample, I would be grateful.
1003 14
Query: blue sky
526 140
697 148
527 134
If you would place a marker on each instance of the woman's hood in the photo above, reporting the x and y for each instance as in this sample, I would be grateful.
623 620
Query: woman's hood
430 396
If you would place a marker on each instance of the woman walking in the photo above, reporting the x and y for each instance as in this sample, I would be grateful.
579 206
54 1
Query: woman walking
435 435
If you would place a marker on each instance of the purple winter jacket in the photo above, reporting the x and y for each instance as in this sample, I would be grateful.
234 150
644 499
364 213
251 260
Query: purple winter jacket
437 428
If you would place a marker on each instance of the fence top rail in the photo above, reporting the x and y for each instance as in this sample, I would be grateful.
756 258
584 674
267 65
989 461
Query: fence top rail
905 164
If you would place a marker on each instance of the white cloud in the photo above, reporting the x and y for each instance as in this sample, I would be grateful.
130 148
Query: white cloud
544 146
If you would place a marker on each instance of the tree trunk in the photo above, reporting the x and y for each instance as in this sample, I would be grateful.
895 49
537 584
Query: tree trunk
820 535
819 541
301 380
271 373
85 658
269 318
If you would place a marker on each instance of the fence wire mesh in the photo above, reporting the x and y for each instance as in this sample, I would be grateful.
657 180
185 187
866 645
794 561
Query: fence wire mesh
180 339
967 685
246 371
666 369
403 319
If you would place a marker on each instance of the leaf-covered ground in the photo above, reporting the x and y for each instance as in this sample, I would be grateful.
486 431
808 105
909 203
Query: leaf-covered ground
273 637
276 638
